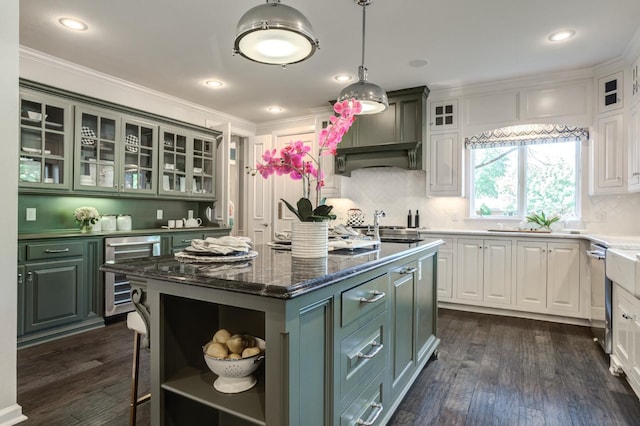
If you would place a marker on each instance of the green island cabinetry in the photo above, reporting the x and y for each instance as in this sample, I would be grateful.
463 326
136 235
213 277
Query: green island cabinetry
344 344
57 288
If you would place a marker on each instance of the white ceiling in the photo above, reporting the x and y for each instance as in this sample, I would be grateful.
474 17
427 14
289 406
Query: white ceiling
174 46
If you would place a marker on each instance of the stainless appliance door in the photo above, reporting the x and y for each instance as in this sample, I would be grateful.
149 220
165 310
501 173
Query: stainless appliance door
117 289
601 288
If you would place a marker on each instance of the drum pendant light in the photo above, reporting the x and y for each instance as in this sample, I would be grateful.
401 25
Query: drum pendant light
275 34
371 96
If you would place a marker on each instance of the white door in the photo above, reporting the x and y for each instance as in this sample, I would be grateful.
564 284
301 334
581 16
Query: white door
531 275
563 277
609 154
445 275
470 264
259 194
287 188
497 271
622 329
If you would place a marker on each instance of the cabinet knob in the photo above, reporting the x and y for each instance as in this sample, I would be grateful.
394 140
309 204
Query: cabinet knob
30 277
19 279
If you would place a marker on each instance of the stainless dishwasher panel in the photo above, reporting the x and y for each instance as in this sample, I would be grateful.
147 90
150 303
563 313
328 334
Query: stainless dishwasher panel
117 290
601 288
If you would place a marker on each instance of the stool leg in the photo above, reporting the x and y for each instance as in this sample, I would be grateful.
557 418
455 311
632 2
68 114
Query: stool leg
134 379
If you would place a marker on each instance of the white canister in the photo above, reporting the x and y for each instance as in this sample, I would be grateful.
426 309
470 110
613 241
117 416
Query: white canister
124 222
108 222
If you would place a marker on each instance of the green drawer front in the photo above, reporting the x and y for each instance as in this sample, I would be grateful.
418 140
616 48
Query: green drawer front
363 354
367 407
54 250
183 239
364 299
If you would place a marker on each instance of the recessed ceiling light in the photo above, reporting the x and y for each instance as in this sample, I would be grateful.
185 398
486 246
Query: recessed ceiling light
73 24
342 78
275 109
213 83
562 35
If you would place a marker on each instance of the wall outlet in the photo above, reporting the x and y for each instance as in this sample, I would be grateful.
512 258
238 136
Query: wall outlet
454 217
31 214
159 214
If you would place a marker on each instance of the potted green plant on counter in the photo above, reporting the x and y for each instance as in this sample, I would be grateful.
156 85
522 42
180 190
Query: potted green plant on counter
544 222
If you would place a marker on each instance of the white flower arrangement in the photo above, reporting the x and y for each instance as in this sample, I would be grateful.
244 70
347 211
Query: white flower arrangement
86 215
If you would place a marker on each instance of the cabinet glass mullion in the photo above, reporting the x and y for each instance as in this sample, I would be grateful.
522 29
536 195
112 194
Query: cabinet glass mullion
96 149
44 141
203 166
140 145
174 162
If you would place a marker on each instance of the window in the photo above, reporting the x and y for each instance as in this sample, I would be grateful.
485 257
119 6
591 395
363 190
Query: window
516 171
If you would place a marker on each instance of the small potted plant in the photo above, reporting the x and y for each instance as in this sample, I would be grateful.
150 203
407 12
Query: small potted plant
544 222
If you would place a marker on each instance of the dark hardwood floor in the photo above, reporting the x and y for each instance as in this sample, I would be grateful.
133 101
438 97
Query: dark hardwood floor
492 370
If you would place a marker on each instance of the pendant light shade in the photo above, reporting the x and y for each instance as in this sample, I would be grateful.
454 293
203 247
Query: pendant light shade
276 34
372 97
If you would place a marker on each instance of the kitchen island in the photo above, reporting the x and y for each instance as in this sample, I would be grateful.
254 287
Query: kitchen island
346 335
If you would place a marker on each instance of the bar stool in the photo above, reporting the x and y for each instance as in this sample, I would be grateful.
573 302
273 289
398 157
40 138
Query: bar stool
136 323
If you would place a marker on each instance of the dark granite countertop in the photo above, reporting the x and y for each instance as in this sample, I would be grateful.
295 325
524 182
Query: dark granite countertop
273 273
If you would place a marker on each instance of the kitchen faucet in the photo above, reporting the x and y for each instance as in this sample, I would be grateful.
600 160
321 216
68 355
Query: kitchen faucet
377 214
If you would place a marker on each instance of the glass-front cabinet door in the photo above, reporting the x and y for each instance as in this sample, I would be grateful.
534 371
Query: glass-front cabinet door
96 149
45 141
203 170
138 171
174 161
187 163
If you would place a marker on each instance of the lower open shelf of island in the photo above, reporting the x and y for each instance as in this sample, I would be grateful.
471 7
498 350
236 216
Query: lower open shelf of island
197 386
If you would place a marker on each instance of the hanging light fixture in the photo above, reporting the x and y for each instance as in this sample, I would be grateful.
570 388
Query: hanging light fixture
371 96
275 34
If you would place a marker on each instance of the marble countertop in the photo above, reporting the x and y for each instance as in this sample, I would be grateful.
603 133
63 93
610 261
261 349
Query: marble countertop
611 241
273 273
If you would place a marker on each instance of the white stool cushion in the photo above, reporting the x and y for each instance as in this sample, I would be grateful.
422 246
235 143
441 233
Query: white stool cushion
135 323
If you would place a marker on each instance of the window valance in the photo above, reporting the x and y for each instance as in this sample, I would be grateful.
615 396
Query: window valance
528 134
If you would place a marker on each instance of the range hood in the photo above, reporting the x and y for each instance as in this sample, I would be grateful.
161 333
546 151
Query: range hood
407 155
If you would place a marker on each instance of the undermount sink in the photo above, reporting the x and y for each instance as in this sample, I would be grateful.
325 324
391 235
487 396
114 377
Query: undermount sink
623 267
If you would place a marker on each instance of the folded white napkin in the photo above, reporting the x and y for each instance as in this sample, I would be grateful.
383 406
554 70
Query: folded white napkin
222 245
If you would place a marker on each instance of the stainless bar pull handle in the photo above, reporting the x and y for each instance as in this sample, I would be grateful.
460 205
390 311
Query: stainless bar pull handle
376 413
279 209
64 250
186 241
376 348
410 270
377 295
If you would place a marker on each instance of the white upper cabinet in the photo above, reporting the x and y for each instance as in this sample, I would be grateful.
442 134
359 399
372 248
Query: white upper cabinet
635 81
444 115
610 92
445 165
608 149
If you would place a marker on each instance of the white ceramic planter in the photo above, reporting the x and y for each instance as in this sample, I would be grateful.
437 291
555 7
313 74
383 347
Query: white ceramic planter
309 239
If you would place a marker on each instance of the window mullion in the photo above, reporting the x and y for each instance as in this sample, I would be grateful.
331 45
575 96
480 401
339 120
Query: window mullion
522 181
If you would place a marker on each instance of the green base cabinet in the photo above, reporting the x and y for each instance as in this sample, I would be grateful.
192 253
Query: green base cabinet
57 292
344 354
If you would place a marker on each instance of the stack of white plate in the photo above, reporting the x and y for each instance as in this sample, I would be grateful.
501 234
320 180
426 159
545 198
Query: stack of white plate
87 180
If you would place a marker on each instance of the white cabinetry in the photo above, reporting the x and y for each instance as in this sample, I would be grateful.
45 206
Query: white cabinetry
635 81
634 149
445 170
610 92
626 334
608 155
444 275
484 270
444 150
548 276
